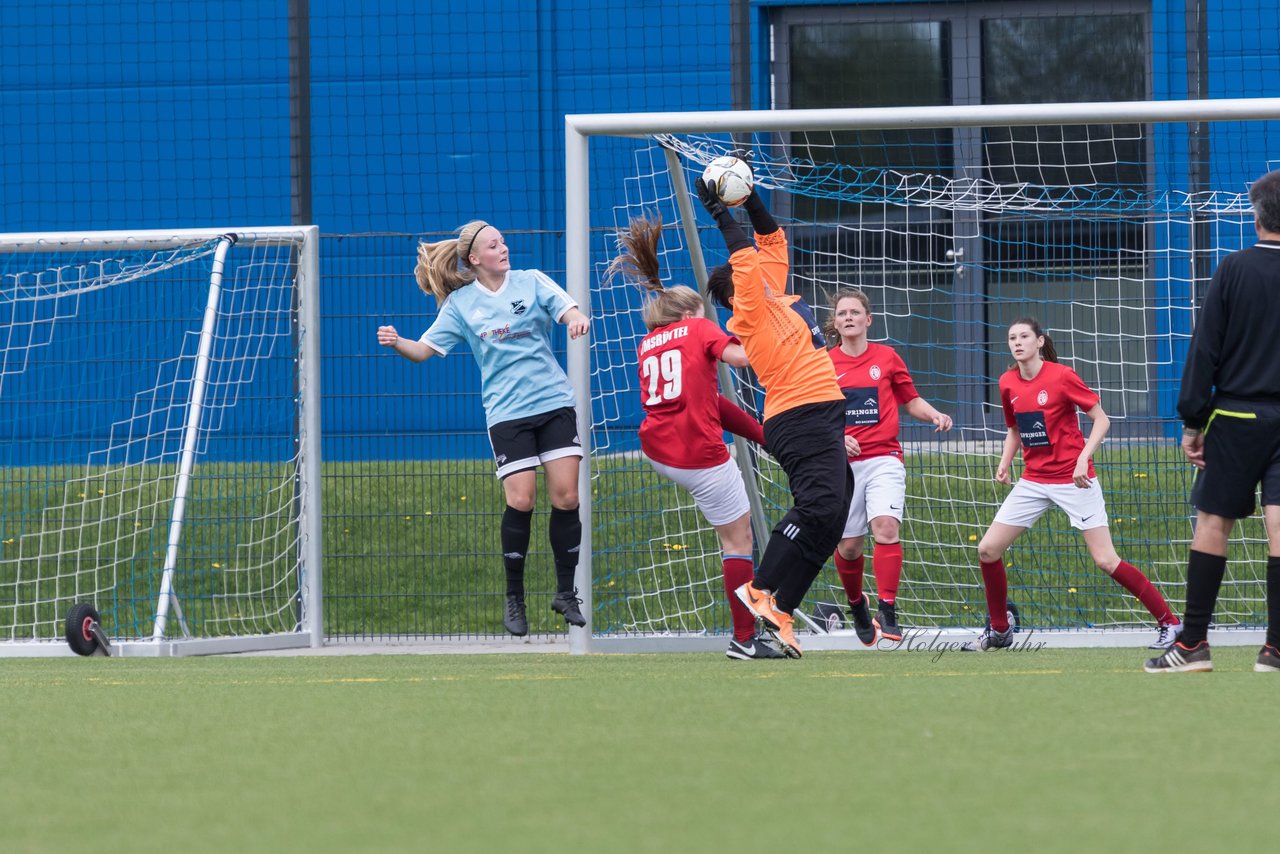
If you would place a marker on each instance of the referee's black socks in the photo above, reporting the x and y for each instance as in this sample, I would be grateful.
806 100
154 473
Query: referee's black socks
1273 601
1204 577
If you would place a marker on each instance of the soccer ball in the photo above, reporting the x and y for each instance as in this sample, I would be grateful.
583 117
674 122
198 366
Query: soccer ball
730 178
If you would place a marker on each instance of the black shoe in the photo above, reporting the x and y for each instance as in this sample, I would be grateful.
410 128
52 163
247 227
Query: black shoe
887 621
860 612
753 649
567 604
1268 660
514 619
991 639
1182 659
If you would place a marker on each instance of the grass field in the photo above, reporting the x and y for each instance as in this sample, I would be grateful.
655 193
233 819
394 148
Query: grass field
410 548
1054 750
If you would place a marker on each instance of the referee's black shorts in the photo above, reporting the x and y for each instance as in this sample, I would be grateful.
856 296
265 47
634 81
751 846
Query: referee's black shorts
1241 451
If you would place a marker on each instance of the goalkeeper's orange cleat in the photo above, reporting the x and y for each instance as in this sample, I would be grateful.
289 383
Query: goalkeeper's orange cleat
760 603
786 635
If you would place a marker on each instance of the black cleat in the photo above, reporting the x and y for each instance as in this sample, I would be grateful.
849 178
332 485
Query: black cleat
756 648
887 621
860 613
514 620
991 639
566 604
1182 659
1268 660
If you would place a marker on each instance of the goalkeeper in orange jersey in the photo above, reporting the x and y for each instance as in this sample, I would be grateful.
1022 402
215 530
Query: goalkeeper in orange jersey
803 410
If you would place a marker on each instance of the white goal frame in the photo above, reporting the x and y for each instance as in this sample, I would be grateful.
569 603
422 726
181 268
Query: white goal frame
306 323
579 131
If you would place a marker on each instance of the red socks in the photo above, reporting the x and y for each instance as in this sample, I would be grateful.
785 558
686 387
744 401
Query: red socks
737 572
996 583
886 564
1131 578
850 572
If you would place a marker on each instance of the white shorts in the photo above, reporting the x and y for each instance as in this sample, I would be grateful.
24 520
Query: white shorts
718 491
1028 501
879 489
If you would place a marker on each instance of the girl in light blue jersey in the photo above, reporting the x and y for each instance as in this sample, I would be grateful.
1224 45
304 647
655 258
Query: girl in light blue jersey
506 317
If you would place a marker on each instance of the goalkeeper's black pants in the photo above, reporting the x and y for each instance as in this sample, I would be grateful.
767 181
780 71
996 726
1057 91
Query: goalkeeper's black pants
808 442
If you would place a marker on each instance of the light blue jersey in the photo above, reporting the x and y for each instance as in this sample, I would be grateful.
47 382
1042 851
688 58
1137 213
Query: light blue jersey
509 331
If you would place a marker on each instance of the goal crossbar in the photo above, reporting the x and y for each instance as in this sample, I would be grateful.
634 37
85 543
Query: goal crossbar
580 129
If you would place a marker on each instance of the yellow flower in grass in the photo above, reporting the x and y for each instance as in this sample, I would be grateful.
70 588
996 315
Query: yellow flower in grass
973 538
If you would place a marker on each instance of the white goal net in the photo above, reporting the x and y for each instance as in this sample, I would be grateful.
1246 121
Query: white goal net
955 221
158 438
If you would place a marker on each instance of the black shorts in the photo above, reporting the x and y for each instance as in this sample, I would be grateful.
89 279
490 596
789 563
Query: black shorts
523 443
1241 451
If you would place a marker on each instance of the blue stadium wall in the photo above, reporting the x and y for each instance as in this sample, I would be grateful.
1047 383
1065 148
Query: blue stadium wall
155 114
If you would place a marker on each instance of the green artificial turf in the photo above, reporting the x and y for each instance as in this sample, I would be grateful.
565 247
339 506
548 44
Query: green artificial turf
1049 750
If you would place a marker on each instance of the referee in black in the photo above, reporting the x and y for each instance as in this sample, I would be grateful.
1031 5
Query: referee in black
1230 409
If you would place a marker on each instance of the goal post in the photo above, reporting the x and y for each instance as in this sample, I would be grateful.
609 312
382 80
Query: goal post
954 220
160 440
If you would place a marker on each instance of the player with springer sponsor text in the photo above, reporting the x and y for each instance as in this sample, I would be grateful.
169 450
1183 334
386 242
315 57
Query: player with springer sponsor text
505 317
685 417
875 382
1039 398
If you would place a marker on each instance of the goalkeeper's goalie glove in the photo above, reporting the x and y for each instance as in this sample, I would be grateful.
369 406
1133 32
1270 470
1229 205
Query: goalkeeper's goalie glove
734 237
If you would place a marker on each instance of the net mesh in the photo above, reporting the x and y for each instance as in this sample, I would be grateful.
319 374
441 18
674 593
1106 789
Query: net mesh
99 370
1084 227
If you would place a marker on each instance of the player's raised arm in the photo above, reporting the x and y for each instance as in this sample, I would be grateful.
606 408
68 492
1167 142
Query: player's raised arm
737 285
414 351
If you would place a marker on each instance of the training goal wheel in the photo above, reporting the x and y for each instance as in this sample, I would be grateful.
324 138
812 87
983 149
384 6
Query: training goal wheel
84 632
1015 619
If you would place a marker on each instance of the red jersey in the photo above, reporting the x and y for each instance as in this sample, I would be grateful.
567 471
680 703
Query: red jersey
1044 411
875 384
680 395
